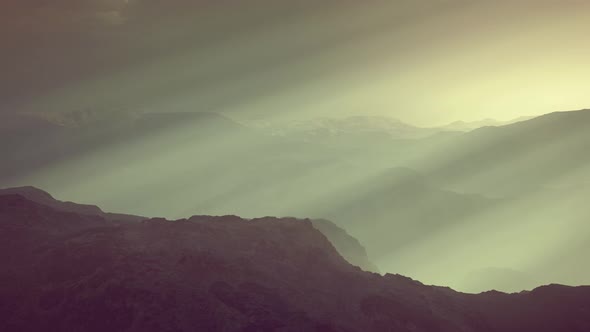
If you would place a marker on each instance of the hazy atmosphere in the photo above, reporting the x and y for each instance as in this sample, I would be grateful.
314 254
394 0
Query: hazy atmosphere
449 137
425 62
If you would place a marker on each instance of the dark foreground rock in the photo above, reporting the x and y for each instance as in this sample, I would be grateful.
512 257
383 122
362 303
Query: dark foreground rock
65 271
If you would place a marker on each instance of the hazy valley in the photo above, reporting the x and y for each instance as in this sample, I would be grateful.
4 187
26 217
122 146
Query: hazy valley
438 204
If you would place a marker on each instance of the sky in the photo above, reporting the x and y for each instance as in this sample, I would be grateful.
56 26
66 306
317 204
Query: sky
427 62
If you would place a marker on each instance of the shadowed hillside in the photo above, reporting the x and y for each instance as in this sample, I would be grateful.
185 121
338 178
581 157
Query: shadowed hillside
346 245
39 196
73 272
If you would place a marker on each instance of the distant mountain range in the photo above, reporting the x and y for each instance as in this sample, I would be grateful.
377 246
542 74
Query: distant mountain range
472 125
64 271
398 208
358 127
367 127
441 198
47 139
513 159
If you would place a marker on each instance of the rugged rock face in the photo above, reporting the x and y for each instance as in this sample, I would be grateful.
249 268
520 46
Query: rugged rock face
42 197
349 247
63 271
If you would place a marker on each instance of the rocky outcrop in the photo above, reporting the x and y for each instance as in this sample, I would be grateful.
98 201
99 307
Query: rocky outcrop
349 247
42 197
64 271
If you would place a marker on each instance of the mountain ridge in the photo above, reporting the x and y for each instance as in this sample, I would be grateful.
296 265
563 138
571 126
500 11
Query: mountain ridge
230 274
348 246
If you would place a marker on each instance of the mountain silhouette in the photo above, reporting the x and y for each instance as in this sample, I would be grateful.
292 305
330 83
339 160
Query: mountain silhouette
42 197
406 200
472 125
350 129
383 211
515 158
349 247
45 140
65 271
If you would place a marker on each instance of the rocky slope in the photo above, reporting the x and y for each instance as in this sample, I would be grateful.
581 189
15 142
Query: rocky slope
42 197
64 271
348 246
